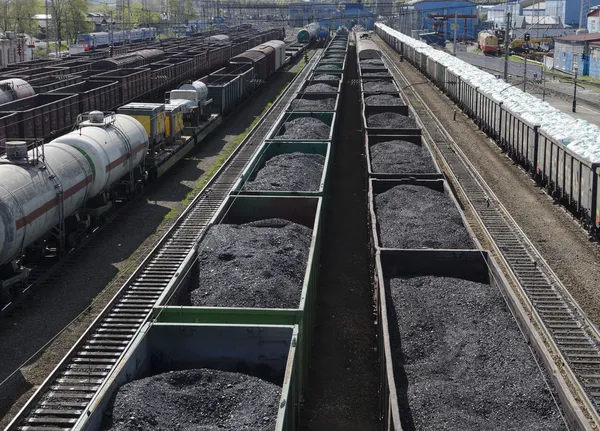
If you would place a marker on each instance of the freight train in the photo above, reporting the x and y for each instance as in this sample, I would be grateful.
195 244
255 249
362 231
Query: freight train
51 194
559 152
81 83
103 39
309 33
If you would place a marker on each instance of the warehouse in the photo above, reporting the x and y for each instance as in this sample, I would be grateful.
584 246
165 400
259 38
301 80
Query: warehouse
568 51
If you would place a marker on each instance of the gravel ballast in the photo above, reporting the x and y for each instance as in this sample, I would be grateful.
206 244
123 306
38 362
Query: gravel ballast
304 128
326 77
410 216
396 157
379 86
201 399
383 100
460 361
391 120
289 172
258 264
327 104
320 88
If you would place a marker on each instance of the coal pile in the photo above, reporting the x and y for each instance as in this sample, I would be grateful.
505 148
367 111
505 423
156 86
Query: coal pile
374 74
396 157
289 172
411 216
391 120
334 55
304 128
326 77
371 62
383 100
462 363
201 399
379 86
320 88
327 104
259 264
328 67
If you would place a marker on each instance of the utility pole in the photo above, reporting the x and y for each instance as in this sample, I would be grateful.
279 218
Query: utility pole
543 84
55 19
506 44
455 28
525 74
575 69
47 31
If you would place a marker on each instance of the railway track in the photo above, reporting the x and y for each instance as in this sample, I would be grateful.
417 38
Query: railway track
64 396
572 337
46 273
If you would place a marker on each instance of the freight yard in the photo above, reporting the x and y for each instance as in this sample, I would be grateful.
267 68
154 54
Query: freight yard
293 237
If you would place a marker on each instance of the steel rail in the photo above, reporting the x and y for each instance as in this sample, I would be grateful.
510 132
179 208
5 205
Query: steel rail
64 397
572 336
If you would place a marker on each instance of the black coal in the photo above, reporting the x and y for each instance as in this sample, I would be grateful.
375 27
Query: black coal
304 128
410 216
201 399
460 362
391 120
289 172
396 157
378 86
326 77
259 264
383 100
327 104
320 88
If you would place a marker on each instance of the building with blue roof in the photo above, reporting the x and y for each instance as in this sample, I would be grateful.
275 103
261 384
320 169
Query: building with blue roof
438 16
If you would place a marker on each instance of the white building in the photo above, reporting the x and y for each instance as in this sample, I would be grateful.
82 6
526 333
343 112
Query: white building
593 21
10 52
497 14
535 10
557 9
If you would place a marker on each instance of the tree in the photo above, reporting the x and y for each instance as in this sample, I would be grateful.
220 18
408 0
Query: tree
75 18
141 16
22 11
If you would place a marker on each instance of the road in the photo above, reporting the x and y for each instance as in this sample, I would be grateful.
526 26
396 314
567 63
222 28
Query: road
497 64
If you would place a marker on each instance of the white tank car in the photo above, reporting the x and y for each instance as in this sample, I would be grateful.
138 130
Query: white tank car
81 164
29 194
192 98
108 143
14 89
